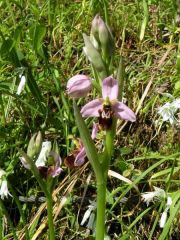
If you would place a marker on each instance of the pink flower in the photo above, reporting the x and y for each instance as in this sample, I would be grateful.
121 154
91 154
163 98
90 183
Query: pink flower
77 158
55 170
108 106
78 86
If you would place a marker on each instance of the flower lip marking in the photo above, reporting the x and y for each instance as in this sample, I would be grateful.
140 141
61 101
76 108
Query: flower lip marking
106 115
78 156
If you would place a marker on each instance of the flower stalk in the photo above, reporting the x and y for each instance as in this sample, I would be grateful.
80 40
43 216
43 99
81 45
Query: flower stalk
101 207
99 173
107 109
45 189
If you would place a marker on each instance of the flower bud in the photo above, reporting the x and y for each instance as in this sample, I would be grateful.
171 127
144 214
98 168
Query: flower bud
78 86
38 142
34 145
103 36
31 150
94 57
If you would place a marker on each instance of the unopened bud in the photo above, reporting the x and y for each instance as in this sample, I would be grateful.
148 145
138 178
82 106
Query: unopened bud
95 27
31 150
103 35
94 57
78 86
34 145
38 143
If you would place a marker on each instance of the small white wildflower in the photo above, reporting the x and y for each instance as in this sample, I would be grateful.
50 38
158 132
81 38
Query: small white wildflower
167 113
164 214
21 84
90 224
163 219
169 110
153 196
169 202
88 213
176 103
3 185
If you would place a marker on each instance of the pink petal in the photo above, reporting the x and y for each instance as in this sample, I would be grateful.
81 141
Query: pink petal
91 108
57 158
55 172
80 158
123 112
110 88
94 131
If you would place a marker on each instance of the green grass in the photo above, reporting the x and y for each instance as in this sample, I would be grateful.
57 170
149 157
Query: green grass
43 41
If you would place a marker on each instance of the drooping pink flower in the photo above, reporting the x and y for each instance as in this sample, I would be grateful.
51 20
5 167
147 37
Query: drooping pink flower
109 101
78 86
55 170
78 156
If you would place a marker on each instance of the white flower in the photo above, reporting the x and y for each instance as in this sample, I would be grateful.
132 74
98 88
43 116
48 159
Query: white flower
164 214
158 195
176 103
153 196
21 84
163 219
3 185
89 214
169 110
169 202
45 150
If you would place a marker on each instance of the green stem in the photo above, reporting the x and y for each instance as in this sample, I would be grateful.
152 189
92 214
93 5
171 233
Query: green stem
101 187
109 145
35 172
101 207
3 112
46 191
50 217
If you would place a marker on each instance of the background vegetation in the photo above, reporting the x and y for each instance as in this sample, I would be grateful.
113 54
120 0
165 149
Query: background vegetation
43 41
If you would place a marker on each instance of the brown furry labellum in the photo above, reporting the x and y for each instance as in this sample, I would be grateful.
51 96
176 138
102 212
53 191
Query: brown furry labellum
106 117
70 159
43 170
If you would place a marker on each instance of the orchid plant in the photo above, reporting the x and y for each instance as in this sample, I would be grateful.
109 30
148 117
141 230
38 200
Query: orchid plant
45 164
105 109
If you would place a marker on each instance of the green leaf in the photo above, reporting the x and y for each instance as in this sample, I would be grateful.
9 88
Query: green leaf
145 20
37 33
17 36
88 143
